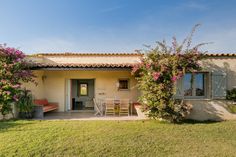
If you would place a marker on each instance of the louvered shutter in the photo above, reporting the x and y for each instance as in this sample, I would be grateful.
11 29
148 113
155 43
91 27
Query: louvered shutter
179 85
218 84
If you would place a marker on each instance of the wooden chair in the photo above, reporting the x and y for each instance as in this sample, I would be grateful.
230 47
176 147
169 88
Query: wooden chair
110 107
124 107
97 107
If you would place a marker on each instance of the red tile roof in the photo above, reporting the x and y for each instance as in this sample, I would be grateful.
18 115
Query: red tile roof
120 54
95 60
87 54
75 65
221 55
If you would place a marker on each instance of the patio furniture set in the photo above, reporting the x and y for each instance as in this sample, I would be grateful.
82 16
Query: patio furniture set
102 107
112 106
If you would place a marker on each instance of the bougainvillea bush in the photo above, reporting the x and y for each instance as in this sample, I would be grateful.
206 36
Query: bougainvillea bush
157 75
14 70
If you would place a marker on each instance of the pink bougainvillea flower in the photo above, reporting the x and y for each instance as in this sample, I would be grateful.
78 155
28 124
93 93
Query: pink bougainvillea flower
15 98
135 69
8 92
156 75
180 75
16 86
174 78
18 59
148 65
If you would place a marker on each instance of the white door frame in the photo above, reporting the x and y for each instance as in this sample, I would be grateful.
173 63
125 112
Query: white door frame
68 94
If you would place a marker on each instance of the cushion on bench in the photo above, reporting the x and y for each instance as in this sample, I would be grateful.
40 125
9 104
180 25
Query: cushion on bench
49 107
41 102
46 105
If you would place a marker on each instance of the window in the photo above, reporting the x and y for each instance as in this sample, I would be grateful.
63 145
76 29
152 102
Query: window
199 85
123 84
83 89
193 85
188 85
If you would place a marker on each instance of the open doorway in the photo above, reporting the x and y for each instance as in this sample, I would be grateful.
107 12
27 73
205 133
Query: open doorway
82 94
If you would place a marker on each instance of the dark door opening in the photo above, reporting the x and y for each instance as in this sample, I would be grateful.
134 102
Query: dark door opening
82 94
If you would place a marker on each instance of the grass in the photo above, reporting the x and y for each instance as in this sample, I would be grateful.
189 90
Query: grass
116 138
231 108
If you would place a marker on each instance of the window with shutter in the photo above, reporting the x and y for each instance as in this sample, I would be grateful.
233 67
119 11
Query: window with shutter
179 90
192 85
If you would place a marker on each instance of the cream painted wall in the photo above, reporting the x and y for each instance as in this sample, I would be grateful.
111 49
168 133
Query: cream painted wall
54 85
223 64
37 90
207 109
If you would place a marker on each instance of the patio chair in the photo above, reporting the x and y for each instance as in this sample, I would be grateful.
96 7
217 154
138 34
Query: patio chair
110 107
97 107
124 107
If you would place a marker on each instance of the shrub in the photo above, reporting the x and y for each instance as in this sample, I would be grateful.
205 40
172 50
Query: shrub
25 104
231 94
158 72
14 70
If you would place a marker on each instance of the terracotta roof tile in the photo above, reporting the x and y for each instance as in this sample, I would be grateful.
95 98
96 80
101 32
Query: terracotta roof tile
87 54
94 60
119 54
221 54
76 65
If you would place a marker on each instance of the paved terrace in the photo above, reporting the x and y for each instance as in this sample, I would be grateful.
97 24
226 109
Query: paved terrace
86 116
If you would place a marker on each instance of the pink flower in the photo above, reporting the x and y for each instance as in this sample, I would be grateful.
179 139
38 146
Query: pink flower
8 92
180 74
16 86
174 78
135 69
15 98
148 65
18 59
156 75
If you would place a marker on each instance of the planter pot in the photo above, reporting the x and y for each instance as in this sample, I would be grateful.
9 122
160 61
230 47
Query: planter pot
139 111
26 115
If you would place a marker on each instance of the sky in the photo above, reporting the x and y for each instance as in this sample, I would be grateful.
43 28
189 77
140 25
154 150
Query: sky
42 26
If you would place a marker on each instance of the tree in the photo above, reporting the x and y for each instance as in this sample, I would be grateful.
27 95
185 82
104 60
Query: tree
14 70
158 72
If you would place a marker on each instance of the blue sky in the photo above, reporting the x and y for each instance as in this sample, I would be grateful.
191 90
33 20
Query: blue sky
114 25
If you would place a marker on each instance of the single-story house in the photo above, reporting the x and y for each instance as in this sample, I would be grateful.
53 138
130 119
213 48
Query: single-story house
74 79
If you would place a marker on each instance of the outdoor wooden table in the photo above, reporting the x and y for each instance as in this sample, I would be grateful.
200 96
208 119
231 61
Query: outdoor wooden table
117 106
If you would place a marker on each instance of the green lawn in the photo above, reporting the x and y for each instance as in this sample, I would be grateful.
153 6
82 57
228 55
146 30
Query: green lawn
116 138
232 108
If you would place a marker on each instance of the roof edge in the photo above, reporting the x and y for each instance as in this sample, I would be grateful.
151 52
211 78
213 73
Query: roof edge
86 54
118 54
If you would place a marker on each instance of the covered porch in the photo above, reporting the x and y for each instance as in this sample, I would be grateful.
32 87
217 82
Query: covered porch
73 79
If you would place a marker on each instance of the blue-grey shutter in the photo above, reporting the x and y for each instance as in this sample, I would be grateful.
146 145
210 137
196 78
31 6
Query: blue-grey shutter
218 84
178 92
